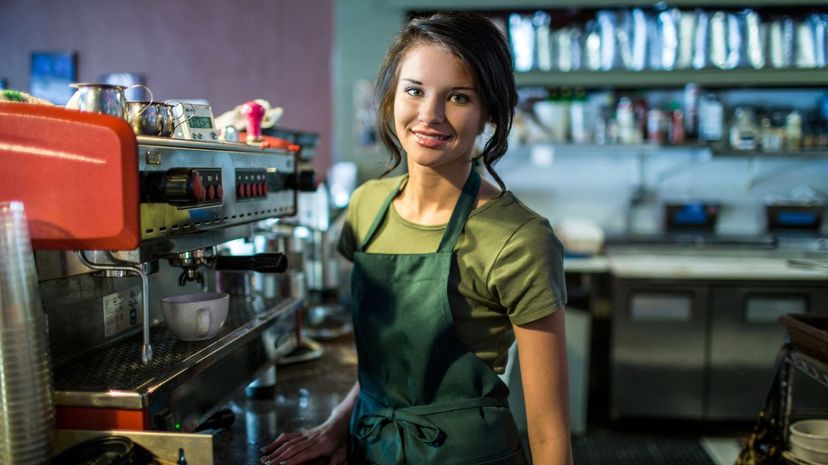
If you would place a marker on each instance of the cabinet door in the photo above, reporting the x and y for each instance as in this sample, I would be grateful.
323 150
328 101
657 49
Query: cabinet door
658 350
745 336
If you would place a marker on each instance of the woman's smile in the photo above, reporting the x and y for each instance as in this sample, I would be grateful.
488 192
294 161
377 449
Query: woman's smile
431 139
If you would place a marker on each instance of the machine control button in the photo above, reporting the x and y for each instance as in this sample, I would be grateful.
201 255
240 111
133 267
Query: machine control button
211 192
197 186
219 192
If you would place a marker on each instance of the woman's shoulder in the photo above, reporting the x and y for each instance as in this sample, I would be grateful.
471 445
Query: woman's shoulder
510 213
374 188
368 198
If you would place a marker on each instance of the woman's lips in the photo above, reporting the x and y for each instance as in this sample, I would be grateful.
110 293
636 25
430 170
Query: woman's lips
430 140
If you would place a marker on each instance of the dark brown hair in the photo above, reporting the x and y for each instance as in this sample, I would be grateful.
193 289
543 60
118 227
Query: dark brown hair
480 45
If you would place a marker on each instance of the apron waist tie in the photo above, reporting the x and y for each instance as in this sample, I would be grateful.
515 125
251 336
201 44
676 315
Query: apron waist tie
411 421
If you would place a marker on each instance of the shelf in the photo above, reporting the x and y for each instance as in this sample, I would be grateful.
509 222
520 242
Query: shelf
651 149
792 77
517 5
800 155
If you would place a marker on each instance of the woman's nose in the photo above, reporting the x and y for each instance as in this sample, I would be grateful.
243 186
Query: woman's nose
432 110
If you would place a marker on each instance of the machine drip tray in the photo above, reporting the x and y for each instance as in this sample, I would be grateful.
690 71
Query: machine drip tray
113 376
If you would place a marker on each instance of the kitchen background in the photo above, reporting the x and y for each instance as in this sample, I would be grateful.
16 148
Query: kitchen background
317 60
229 53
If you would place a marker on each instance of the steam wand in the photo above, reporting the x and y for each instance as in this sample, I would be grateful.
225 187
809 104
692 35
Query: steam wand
146 348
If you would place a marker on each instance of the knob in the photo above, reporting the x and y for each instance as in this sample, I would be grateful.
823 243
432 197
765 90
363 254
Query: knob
304 180
195 186
174 186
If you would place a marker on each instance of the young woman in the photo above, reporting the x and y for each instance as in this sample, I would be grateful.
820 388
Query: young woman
448 270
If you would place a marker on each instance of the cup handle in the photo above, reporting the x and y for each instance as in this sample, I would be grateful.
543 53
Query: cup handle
192 112
151 99
204 318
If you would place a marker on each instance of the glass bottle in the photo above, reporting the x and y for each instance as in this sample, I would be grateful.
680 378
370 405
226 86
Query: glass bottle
711 119
793 131
743 130
578 117
626 121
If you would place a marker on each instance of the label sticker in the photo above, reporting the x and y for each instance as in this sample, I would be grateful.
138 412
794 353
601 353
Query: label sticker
121 310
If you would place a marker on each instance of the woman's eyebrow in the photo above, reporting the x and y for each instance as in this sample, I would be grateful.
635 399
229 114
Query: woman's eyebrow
414 81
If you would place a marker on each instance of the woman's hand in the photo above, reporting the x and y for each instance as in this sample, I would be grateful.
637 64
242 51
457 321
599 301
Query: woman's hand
326 444
326 441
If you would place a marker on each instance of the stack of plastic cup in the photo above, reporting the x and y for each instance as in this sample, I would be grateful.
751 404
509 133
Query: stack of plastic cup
26 411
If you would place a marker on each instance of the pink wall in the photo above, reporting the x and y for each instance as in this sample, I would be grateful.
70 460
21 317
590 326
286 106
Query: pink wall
226 52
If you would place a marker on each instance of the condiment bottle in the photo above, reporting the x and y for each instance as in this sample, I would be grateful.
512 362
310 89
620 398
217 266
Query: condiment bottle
711 119
793 131
655 126
578 118
675 130
743 130
626 121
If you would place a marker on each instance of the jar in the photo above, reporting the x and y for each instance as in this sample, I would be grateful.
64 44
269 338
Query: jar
743 130
711 119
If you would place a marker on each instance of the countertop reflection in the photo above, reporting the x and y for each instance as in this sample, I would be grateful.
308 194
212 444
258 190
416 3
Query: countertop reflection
306 392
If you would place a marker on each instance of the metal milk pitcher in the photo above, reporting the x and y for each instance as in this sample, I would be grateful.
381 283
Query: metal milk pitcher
108 99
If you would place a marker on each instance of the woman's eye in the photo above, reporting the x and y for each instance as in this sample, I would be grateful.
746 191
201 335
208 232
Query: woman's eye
459 98
413 91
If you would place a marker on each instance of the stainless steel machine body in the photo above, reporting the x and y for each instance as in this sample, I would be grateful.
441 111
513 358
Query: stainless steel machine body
116 365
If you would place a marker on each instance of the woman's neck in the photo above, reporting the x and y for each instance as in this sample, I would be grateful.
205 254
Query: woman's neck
429 195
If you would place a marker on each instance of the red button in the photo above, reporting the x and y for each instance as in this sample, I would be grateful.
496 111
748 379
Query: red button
211 192
219 192
197 186
240 189
263 188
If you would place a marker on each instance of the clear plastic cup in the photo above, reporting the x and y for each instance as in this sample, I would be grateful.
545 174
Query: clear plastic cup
27 424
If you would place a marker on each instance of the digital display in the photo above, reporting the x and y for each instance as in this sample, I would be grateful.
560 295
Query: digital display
200 122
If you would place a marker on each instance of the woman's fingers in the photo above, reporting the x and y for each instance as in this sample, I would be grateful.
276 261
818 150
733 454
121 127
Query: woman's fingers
284 437
289 449
296 451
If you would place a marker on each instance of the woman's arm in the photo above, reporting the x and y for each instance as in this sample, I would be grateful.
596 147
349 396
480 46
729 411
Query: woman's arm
543 369
330 439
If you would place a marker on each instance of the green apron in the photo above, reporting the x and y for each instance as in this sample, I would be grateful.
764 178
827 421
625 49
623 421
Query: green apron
424 397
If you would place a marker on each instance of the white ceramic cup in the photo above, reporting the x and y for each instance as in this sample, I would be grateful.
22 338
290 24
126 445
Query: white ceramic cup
197 316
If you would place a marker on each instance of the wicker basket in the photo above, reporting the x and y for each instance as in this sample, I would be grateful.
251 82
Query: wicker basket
809 334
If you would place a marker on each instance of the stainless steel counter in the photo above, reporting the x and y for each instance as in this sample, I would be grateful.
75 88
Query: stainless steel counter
692 261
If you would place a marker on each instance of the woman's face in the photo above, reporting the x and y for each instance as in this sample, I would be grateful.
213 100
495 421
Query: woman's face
437 111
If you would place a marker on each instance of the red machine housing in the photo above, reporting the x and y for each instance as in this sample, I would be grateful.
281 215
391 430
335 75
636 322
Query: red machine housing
76 174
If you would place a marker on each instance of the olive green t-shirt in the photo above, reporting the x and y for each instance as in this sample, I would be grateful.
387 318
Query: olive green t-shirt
509 266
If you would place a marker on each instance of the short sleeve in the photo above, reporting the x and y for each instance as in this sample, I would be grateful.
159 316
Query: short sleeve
527 276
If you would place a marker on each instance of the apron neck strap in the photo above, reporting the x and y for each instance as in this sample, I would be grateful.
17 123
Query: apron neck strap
380 216
465 204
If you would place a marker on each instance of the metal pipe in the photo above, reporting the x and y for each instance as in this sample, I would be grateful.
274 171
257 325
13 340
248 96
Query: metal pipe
146 348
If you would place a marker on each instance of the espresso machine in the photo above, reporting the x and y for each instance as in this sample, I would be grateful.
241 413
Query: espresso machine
119 221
